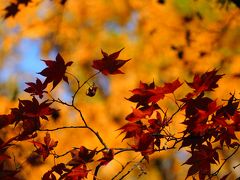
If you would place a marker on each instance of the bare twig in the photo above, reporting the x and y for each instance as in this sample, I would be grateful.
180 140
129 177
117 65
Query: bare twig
130 170
123 167
64 127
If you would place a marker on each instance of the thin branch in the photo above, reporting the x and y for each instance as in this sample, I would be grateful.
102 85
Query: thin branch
6 143
123 150
234 167
123 167
61 155
64 127
99 137
179 109
130 170
96 171
79 87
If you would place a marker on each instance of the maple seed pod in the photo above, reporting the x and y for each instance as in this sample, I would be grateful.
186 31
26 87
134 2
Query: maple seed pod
91 90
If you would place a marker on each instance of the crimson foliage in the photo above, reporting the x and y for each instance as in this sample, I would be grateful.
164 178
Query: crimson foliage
210 125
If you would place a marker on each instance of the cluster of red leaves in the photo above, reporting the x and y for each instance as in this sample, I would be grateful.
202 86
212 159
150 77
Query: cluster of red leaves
78 163
45 149
80 158
207 123
28 114
55 72
145 130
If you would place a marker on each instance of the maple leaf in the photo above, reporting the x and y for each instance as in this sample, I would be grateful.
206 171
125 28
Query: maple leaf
192 106
79 172
205 82
36 88
144 143
201 160
142 94
29 126
172 86
204 114
109 64
236 121
230 109
226 134
32 109
59 168
132 129
193 140
156 126
44 149
55 72
142 112
159 92
157 123
108 155
81 156
12 10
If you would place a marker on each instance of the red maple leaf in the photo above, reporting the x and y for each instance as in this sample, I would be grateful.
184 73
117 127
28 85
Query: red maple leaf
229 110
159 92
146 94
142 112
32 109
81 156
132 129
142 94
44 149
236 121
29 127
226 134
60 169
205 82
158 123
204 114
201 160
144 143
79 172
55 71
36 88
108 155
109 64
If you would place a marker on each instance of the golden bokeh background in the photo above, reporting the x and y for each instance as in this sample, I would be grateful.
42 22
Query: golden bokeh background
166 41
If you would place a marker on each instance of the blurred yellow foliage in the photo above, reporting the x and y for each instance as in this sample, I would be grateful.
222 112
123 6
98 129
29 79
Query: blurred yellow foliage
165 41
